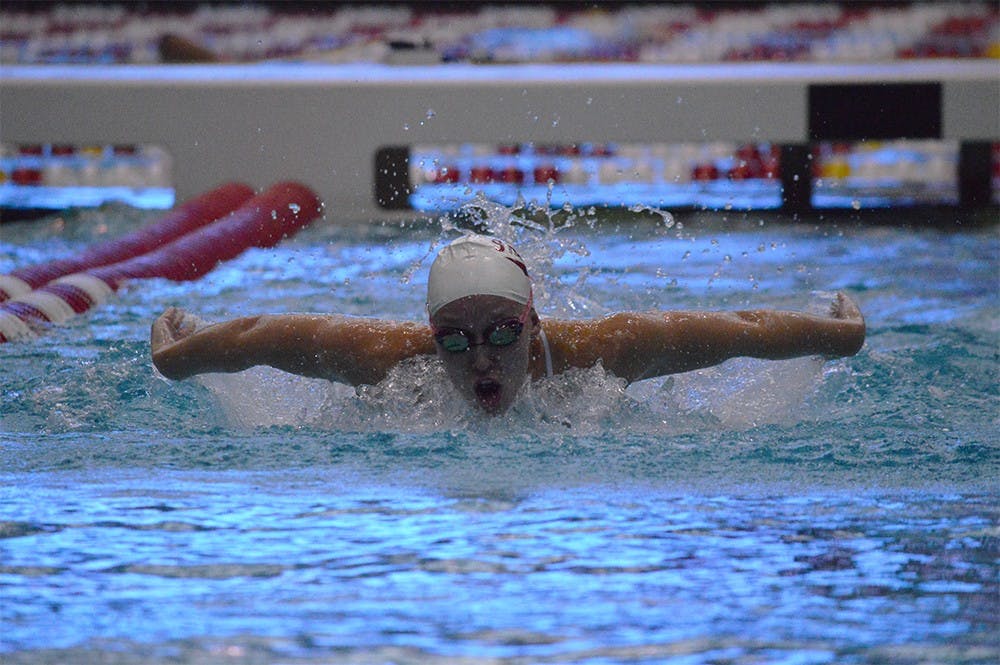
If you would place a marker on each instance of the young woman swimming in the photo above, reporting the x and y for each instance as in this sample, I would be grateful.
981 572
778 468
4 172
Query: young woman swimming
484 328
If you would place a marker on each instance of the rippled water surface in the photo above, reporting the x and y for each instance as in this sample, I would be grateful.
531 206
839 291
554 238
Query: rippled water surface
785 512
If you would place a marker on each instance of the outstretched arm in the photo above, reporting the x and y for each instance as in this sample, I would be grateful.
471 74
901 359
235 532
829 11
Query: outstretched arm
344 349
640 346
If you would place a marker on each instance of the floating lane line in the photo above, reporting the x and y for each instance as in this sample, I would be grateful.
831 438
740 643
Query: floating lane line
190 216
262 221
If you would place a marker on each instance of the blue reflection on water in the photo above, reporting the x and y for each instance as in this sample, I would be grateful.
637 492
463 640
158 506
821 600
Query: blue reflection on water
745 195
60 198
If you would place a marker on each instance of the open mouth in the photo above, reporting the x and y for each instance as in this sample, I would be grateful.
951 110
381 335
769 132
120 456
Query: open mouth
488 392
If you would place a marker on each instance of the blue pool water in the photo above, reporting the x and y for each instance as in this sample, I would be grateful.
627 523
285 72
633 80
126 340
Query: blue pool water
795 512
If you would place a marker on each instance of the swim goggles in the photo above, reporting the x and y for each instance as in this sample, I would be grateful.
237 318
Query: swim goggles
501 333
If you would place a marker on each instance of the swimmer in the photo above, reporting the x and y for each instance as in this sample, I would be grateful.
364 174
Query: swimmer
484 328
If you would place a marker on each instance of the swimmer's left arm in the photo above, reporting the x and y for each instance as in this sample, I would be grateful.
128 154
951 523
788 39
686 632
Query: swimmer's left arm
640 346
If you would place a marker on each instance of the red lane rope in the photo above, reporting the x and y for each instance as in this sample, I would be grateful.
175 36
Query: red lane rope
185 218
263 221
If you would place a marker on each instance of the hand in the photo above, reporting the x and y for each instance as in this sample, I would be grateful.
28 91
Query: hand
851 324
843 307
172 326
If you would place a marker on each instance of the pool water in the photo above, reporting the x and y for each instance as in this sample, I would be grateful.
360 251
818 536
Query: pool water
804 511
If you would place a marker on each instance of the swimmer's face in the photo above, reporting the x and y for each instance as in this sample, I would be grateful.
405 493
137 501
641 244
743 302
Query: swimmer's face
487 374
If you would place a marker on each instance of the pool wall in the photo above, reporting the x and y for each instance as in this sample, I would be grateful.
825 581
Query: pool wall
325 124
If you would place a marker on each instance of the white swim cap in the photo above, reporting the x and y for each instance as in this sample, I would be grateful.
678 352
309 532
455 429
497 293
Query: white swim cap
477 265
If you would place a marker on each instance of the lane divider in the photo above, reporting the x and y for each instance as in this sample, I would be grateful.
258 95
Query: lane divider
189 216
262 221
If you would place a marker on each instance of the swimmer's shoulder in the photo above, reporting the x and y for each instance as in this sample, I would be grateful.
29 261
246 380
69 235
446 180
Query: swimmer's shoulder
580 342
577 332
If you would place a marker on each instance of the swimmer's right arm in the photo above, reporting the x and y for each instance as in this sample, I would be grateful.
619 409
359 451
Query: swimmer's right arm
344 349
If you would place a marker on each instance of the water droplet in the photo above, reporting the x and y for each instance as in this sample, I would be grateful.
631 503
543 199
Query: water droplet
294 207
680 100
274 214
590 100
406 126
795 177
856 204
430 113
686 255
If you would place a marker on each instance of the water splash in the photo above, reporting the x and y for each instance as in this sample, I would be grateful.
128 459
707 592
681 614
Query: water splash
666 218
542 236
417 398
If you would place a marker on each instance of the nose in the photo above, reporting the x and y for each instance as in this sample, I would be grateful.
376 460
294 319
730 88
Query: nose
480 357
